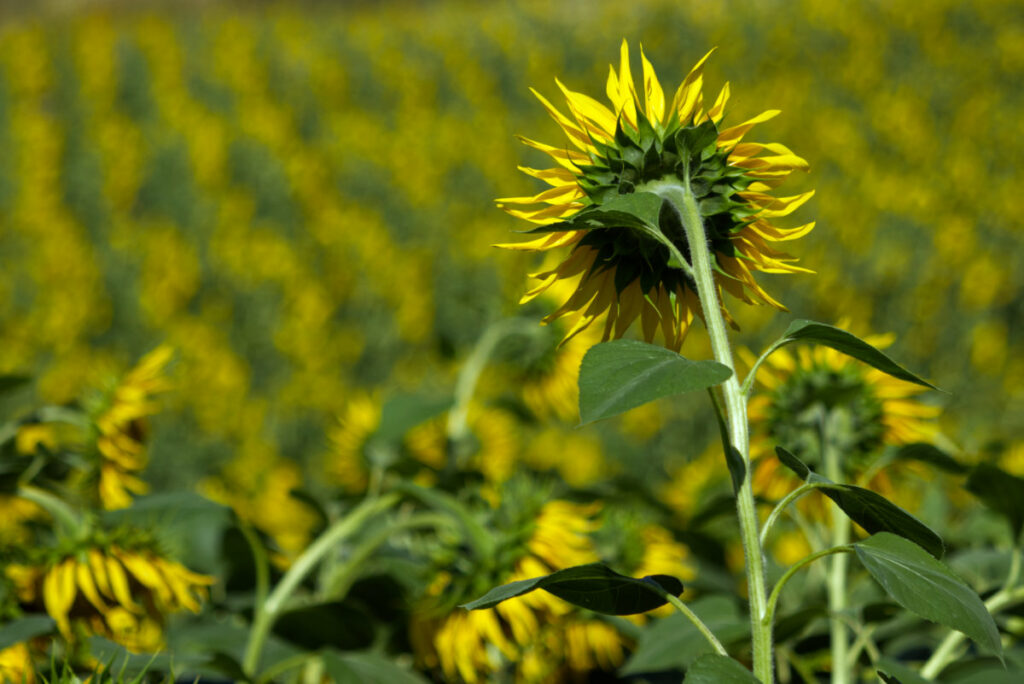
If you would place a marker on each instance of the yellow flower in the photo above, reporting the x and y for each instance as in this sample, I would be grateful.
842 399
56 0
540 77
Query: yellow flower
16 665
875 409
122 430
14 513
538 636
621 274
101 586
346 464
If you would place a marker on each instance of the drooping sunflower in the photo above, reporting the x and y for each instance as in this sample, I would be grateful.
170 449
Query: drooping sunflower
123 594
621 273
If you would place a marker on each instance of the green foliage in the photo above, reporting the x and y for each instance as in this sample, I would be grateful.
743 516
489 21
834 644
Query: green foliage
927 588
623 374
594 587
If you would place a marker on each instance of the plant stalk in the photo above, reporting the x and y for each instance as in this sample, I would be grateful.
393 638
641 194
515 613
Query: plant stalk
681 197
326 542
837 599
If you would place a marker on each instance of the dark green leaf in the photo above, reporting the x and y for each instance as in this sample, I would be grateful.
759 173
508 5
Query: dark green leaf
644 207
24 629
594 586
793 463
871 511
932 455
719 669
875 513
737 467
1000 491
623 374
404 412
9 383
851 345
118 658
673 642
927 587
366 668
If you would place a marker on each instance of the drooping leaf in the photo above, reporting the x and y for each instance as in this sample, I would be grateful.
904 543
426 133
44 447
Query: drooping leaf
927 588
1000 491
623 374
737 467
789 460
673 642
868 509
25 628
851 345
719 669
593 586
875 513
932 455
367 668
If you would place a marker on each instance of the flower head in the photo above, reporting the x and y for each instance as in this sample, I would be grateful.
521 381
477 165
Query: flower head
621 272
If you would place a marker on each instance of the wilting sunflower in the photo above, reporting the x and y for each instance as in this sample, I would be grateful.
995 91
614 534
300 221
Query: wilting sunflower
865 408
119 593
622 273
119 418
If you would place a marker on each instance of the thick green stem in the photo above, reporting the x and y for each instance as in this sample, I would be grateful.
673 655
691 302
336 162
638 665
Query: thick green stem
1007 596
837 599
264 618
681 197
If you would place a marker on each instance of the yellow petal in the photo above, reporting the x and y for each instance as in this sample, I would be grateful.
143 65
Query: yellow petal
590 108
731 136
88 587
686 95
577 137
119 585
568 159
556 177
654 96
717 110
557 195
627 90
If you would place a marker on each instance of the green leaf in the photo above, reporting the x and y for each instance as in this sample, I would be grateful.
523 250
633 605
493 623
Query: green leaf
24 629
891 671
623 374
851 345
719 669
673 642
793 463
932 455
875 513
927 587
737 467
1000 491
871 511
366 668
118 658
594 586
9 383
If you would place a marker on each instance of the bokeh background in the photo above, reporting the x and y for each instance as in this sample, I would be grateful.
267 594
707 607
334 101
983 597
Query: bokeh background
298 198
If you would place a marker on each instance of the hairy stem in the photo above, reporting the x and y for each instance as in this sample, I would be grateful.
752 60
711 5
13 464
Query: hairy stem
837 599
681 197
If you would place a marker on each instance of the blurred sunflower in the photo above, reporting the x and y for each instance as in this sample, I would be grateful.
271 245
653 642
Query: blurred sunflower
16 665
864 408
535 637
621 273
119 593
118 417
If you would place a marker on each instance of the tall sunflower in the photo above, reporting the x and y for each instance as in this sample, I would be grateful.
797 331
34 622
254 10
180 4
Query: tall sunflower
621 273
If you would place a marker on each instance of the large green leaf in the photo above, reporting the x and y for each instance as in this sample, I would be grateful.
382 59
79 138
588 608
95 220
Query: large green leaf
1000 491
623 374
893 672
871 511
673 642
927 587
367 668
594 586
851 345
932 455
719 669
25 628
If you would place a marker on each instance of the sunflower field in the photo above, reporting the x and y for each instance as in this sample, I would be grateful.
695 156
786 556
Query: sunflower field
374 341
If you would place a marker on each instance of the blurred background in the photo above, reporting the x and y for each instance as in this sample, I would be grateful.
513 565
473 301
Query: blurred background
298 198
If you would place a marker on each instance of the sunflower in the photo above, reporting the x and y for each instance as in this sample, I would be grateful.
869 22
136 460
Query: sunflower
16 665
866 408
536 637
121 430
621 273
117 592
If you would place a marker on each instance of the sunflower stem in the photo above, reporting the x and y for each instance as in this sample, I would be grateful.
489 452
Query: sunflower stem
837 598
680 196
326 542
